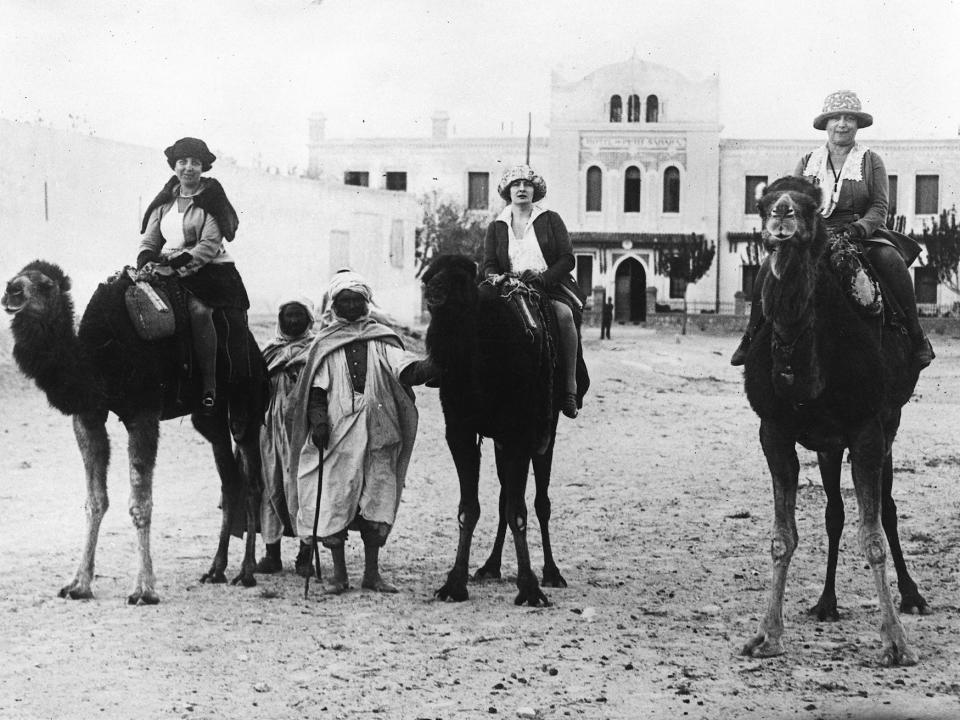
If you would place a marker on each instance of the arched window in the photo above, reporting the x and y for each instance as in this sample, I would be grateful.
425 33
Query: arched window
631 190
633 108
653 108
594 188
671 190
616 109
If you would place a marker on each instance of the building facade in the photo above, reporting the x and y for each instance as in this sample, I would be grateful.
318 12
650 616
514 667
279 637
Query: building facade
635 162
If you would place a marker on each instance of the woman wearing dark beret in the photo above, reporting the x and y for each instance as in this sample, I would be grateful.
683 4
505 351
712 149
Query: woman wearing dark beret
184 228
854 204
532 242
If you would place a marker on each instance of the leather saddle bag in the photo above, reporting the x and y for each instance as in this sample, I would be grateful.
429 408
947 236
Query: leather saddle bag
150 310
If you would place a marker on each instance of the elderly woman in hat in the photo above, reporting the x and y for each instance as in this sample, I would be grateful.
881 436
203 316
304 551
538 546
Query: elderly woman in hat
355 420
853 181
285 357
532 242
183 231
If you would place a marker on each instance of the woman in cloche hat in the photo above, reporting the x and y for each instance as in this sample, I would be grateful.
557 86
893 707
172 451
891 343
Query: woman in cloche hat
532 242
184 228
853 180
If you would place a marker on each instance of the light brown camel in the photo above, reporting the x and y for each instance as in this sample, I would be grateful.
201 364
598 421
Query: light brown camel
105 367
824 374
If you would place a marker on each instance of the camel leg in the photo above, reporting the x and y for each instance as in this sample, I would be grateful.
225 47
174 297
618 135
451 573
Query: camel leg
91 432
214 429
143 434
250 468
867 457
911 601
466 457
781 455
542 466
513 466
490 570
830 466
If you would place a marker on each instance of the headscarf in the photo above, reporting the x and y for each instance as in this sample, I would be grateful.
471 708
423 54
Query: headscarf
343 280
284 348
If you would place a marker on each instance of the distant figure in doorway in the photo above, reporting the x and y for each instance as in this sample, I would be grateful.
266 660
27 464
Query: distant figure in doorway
606 319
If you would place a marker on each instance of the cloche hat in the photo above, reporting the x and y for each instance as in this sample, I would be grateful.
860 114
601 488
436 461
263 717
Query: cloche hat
842 102
190 147
522 172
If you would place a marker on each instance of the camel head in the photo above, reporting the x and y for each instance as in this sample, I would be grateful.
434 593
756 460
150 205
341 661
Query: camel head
789 210
450 283
36 289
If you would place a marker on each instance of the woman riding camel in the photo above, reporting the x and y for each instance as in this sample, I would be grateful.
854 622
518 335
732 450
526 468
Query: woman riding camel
184 229
853 180
532 242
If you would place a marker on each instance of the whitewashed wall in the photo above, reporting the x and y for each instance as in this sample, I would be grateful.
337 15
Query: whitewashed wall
78 200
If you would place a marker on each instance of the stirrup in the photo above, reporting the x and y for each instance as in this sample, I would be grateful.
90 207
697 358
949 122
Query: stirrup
569 405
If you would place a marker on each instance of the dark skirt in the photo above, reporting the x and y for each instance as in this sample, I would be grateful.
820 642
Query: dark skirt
217 285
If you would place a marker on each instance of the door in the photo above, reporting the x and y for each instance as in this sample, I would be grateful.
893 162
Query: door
630 295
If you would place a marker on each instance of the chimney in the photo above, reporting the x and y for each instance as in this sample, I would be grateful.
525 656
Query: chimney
440 122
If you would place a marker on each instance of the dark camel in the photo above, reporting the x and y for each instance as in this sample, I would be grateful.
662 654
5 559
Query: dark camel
824 374
498 379
106 367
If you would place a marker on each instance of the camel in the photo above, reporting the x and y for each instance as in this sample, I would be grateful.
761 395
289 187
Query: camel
497 380
105 367
825 374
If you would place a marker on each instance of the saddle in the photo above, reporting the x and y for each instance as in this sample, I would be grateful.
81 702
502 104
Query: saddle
158 311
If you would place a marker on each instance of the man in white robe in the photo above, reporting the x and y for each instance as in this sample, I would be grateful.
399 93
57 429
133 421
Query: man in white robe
362 417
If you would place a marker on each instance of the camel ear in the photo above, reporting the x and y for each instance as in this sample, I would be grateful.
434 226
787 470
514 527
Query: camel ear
65 284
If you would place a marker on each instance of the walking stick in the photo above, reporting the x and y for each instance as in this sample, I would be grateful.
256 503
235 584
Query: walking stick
316 522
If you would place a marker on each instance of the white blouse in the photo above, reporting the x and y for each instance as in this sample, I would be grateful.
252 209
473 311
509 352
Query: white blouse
525 252
171 225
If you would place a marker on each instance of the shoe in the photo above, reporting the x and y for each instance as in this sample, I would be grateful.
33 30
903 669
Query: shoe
923 353
739 356
569 405
304 562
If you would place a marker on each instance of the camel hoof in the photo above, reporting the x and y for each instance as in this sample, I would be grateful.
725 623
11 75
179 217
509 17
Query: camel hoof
335 587
825 611
452 593
898 657
532 598
143 598
553 578
762 646
214 577
73 592
915 605
487 572
246 579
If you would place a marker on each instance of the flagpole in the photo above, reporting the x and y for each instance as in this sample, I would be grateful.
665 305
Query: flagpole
529 130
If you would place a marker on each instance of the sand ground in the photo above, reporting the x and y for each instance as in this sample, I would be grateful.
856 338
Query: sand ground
662 512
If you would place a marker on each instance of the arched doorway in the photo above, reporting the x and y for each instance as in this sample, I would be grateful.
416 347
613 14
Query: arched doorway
630 295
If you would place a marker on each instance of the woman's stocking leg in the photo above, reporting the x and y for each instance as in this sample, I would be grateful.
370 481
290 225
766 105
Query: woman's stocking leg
568 351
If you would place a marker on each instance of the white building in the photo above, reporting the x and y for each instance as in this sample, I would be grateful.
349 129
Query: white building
634 161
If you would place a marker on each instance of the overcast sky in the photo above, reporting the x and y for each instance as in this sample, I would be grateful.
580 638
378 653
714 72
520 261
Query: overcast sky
245 74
